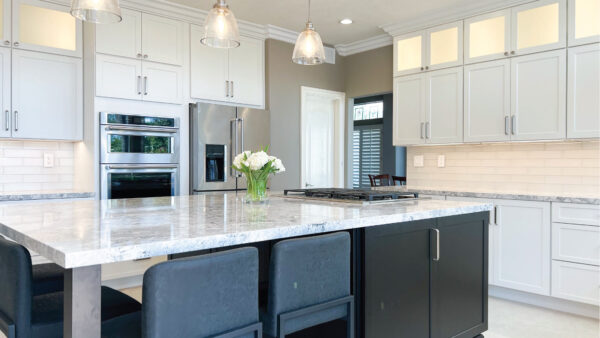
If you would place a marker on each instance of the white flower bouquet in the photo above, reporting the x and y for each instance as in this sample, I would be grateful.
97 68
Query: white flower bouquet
257 167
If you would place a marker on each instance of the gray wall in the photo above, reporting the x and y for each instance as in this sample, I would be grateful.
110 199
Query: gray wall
369 73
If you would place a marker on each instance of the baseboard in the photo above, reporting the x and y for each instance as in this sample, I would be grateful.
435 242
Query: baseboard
125 283
557 304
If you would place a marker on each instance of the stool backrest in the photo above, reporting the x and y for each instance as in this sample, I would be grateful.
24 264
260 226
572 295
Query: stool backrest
201 296
15 286
309 271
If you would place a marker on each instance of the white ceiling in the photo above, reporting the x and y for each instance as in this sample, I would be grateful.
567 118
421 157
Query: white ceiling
368 15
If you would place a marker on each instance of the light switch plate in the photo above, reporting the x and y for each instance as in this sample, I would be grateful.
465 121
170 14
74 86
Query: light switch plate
441 161
418 161
48 160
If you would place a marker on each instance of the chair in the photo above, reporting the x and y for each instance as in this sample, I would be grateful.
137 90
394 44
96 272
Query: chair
213 295
379 180
25 315
309 285
399 179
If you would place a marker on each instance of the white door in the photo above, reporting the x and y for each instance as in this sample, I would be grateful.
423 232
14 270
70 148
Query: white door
322 138
162 83
410 53
445 46
583 99
584 22
209 69
487 101
5 81
410 94
118 77
487 37
123 38
527 21
444 106
46 27
522 246
538 96
162 39
56 82
246 72
5 23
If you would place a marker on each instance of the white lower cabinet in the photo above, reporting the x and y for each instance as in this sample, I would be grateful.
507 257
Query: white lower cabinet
577 282
576 243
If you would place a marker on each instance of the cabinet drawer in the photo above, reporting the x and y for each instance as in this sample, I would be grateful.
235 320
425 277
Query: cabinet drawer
576 243
577 282
586 214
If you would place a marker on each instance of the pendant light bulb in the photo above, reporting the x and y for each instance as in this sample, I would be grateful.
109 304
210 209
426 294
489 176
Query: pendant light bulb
97 11
221 28
309 48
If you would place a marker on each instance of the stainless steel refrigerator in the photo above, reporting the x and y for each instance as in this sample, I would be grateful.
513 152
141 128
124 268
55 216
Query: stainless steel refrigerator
217 134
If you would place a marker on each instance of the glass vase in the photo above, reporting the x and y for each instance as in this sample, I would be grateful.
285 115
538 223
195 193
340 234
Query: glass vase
256 191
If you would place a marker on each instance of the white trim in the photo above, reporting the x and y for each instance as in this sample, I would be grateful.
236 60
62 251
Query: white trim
360 46
281 34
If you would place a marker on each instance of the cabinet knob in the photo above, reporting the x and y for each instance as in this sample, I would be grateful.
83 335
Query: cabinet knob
427 68
16 43
6 42
145 56
422 68
139 55
512 52
505 53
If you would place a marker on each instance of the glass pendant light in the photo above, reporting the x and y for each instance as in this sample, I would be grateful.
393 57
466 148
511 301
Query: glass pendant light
97 11
309 46
221 28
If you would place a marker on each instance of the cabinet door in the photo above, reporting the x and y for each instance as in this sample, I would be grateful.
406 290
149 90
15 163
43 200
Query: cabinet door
209 69
459 300
246 72
5 22
487 101
5 80
538 96
123 38
445 46
584 22
409 107
410 53
162 39
522 247
527 21
162 83
396 285
56 82
46 27
118 77
583 101
444 106
487 37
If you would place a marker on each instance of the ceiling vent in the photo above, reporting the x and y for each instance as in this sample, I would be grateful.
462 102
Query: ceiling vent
330 55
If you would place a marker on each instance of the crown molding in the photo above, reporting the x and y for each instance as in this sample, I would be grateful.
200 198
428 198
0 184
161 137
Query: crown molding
281 34
448 15
364 45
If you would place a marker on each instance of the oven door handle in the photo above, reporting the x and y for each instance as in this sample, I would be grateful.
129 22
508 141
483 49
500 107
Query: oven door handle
142 166
150 130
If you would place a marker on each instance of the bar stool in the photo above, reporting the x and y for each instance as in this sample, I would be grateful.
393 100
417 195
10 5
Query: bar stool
213 295
309 285
24 315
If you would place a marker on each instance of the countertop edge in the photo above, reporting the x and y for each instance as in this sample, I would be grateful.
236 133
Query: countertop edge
44 196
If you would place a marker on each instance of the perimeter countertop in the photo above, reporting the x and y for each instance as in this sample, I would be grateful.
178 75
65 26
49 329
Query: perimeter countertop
44 195
559 197
77 233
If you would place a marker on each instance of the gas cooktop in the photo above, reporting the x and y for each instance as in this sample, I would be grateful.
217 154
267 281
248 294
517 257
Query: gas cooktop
351 195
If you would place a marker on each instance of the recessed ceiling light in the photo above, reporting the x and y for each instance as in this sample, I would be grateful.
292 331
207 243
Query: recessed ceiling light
346 21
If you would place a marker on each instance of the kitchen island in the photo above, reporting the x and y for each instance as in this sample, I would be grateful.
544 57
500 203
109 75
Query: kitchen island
413 261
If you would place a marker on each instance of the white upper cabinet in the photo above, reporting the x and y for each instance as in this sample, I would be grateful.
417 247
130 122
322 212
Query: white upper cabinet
123 38
538 96
409 110
539 26
143 36
46 27
209 69
410 53
246 72
583 99
487 101
444 106
56 81
487 37
5 80
584 21
118 77
5 23
162 83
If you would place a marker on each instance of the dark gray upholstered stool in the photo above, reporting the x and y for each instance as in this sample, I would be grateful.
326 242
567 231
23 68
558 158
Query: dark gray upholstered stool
309 284
25 315
213 295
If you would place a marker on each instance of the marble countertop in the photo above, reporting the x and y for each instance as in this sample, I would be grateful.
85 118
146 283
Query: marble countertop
44 195
558 197
76 233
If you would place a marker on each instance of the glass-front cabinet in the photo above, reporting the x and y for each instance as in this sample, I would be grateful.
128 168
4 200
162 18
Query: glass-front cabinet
539 26
584 22
5 27
487 37
409 53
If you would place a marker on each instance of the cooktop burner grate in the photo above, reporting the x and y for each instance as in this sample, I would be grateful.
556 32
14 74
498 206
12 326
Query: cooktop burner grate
351 194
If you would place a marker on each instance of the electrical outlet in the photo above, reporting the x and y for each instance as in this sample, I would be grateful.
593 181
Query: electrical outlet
418 161
48 160
441 161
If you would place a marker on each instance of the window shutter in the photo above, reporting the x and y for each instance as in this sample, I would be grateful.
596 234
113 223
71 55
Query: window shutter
366 154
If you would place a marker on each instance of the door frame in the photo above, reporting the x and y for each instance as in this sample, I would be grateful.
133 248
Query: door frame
339 132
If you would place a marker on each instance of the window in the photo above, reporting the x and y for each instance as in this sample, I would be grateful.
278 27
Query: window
366 144
368 111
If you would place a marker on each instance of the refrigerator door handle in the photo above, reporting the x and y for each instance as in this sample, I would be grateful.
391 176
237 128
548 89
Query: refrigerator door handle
242 134
234 149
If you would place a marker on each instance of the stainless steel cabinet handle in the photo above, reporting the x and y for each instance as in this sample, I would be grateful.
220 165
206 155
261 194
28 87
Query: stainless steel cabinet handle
226 88
231 88
139 85
506 126
495 215
145 85
421 129
7 120
143 129
437 245
427 130
142 166
16 120
514 125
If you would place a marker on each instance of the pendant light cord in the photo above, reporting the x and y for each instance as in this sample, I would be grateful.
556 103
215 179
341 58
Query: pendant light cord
308 10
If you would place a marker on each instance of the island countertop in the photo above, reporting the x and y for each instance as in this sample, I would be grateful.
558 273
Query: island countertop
88 232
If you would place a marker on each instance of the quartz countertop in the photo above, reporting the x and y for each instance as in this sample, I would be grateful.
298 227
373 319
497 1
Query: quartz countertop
44 195
77 233
547 197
